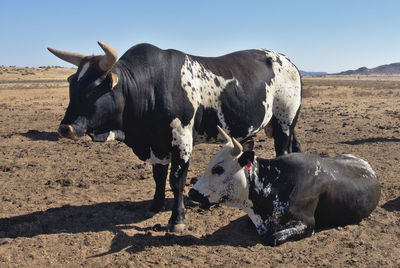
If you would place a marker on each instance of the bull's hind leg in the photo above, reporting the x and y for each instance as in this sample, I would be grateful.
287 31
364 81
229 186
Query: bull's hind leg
296 147
160 173
281 138
284 135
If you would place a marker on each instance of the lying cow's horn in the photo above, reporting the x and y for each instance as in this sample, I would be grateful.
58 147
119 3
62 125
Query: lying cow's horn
109 59
223 133
237 149
71 57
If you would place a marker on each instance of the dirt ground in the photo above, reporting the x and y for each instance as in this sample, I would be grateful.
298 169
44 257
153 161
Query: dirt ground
70 203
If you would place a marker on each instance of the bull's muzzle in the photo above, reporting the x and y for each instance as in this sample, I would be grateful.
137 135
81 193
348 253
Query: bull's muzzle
198 197
67 131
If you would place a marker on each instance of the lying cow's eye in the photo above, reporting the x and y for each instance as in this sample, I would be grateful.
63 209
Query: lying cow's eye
217 170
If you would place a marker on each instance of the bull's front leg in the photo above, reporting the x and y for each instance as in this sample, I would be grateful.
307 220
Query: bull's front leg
160 173
179 169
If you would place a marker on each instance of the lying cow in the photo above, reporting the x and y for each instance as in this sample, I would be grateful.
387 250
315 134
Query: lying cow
162 102
288 196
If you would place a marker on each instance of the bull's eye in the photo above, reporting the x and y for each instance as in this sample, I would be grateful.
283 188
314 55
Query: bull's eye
217 170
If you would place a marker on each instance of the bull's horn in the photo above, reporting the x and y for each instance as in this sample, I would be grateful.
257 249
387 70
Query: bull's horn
108 60
237 149
71 57
223 133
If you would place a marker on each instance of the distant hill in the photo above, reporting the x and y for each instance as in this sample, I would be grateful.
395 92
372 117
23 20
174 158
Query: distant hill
11 73
387 69
304 73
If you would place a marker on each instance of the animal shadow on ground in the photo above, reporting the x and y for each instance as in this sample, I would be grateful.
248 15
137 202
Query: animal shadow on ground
75 219
116 217
392 205
243 237
36 135
370 140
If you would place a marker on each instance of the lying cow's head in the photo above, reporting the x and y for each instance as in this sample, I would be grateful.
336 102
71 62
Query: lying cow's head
224 180
93 106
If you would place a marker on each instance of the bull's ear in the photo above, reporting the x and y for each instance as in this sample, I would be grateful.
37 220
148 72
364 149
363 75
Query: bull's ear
246 157
248 145
113 80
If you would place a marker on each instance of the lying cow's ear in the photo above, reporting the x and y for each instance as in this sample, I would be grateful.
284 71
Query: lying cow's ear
113 80
246 157
248 145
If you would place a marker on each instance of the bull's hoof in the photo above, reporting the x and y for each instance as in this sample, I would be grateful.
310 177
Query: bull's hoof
175 228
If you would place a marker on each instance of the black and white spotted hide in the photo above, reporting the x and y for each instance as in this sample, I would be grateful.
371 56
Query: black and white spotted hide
288 196
162 102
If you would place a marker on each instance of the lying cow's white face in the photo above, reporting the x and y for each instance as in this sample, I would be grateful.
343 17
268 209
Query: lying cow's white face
224 180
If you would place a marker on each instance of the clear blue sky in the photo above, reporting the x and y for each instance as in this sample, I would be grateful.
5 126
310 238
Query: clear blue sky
320 35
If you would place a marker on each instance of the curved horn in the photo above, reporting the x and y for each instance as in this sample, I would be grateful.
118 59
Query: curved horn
223 134
71 57
108 60
237 149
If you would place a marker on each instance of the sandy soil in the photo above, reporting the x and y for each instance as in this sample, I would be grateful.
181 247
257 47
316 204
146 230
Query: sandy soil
70 204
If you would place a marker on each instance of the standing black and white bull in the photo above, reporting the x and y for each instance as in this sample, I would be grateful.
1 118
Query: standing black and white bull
288 196
161 102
